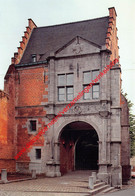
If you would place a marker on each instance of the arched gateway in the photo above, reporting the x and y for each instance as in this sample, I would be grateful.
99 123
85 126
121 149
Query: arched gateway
78 147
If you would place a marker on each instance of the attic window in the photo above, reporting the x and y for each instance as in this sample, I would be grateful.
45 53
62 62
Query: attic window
34 58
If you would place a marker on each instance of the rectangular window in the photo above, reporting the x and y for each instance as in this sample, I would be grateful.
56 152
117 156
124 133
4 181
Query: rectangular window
69 79
61 93
87 79
61 80
87 95
38 153
33 125
95 91
65 87
70 93
94 74
34 58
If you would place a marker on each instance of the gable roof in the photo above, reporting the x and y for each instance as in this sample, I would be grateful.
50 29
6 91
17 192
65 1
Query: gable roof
48 39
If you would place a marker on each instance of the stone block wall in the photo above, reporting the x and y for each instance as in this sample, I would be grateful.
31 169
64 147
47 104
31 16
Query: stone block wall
125 144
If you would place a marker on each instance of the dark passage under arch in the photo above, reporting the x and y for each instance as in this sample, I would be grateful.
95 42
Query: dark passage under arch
86 151
78 147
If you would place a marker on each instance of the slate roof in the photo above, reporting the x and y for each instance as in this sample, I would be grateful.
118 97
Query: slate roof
46 39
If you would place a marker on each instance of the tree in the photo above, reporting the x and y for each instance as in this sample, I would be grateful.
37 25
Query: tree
132 125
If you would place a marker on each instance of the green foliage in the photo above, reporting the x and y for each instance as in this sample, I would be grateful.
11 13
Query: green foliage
132 126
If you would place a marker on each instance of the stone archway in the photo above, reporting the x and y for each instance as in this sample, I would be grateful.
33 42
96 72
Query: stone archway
78 147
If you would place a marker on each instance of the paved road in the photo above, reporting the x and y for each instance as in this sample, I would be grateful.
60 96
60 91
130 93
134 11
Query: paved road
5 193
73 184
128 192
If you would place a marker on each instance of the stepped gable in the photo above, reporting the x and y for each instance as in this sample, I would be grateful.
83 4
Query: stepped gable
18 55
45 40
111 38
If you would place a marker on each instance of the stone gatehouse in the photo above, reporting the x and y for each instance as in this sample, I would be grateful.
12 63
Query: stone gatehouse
52 65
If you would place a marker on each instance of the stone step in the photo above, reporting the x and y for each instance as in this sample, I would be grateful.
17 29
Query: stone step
99 184
99 189
97 181
108 190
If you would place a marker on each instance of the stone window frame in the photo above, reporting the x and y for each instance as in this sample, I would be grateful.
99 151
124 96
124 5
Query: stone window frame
32 154
91 90
65 87
36 153
28 126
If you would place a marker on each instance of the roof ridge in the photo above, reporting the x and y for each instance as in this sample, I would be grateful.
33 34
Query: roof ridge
71 22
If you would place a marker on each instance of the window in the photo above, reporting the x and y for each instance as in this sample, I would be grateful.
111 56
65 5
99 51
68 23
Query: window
33 125
61 93
61 80
95 87
70 93
38 153
86 82
87 79
34 58
94 74
69 79
95 91
88 94
65 87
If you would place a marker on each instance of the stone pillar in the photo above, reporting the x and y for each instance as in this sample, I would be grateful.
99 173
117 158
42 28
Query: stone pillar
50 115
94 174
51 162
50 168
91 182
103 172
33 173
116 167
57 158
4 175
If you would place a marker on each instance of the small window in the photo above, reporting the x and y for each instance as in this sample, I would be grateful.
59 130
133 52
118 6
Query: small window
95 92
87 95
70 79
61 93
94 74
61 80
86 77
70 93
38 153
33 125
86 81
34 58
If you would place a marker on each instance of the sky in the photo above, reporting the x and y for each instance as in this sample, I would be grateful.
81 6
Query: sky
14 16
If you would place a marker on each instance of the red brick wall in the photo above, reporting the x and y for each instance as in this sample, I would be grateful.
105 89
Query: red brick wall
112 39
31 85
3 118
6 138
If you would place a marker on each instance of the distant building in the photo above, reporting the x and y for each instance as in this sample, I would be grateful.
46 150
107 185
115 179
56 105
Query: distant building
52 65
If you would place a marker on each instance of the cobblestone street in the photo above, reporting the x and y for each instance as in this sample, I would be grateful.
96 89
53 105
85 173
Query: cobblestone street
73 184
